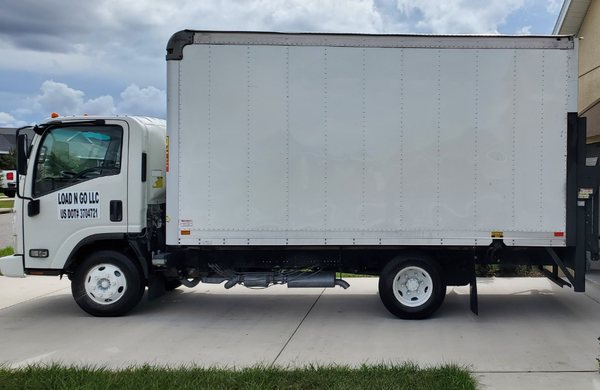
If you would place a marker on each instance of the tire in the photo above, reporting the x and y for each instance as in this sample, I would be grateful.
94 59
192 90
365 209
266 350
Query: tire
107 284
411 286
9 193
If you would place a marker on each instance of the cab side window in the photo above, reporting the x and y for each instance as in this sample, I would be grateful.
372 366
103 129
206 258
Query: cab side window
73 154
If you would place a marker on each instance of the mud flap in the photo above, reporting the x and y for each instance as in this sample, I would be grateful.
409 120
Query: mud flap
473 299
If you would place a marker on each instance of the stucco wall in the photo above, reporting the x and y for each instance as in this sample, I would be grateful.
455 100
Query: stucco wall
589 69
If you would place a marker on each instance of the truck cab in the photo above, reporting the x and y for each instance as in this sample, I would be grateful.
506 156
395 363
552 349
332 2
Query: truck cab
86 188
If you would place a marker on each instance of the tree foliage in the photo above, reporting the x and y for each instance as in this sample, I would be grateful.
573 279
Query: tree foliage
8 161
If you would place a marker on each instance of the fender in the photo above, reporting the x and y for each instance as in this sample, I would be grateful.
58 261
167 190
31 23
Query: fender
132 244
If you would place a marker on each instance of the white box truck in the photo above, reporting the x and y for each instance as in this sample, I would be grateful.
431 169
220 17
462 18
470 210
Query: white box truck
291 157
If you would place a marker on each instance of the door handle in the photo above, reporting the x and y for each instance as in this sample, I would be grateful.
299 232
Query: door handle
116 211
33 207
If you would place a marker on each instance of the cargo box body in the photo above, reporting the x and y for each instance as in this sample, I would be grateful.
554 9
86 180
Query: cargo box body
317 140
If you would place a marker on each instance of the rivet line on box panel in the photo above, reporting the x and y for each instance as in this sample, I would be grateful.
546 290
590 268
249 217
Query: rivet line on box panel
325 124
364 138
209 141
514 138
402 124
287 137
248 130
541 154
438 138
476 143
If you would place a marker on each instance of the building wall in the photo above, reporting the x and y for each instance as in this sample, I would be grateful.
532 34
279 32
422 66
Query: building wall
589 70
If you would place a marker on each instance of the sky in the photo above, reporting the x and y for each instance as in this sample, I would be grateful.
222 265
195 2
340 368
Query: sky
107 57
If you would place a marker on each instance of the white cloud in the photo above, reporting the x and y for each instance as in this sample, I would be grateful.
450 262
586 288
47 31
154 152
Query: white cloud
148 101
554 6
60 98
525 30
459 16
103 105
328 15
7 120
132 35
301 15
57 97
125 44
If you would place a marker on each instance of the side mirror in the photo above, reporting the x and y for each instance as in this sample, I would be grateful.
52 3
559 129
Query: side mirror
22 145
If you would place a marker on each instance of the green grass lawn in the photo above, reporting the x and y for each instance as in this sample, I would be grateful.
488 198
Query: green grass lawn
406 376
6 251
6 203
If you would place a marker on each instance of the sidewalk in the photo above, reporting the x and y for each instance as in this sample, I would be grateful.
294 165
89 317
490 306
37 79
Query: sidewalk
530 333
592 284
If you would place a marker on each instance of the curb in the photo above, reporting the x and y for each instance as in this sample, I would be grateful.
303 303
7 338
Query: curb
6 211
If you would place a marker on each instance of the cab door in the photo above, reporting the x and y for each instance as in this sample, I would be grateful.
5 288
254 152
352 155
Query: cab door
77 189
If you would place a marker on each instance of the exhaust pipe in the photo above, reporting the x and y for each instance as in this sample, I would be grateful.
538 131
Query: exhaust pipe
316 279
342 283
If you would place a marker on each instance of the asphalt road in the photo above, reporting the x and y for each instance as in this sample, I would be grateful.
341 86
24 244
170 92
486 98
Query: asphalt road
530 333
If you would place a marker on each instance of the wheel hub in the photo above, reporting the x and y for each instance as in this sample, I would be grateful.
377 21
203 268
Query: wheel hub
105 284
413 286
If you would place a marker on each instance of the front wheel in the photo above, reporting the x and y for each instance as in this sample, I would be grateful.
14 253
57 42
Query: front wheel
411 287
107 284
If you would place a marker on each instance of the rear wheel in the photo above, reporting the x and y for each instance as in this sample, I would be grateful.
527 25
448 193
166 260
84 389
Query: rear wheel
9 193
107 283
411 286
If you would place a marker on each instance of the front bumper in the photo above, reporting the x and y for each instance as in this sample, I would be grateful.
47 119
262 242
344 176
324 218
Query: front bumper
12 266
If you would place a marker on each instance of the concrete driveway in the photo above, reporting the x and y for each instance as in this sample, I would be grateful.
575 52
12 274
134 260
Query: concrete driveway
7 237
529 334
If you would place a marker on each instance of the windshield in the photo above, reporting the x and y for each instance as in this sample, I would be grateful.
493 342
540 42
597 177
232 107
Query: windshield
70 155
